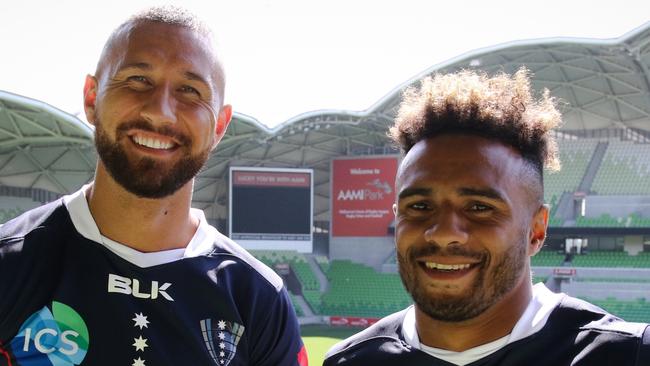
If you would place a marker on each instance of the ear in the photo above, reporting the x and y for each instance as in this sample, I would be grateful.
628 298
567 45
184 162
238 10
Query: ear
223 120
90 97
395 209
538 230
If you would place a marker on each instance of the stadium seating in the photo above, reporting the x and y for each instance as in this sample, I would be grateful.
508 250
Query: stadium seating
278 256
298 310
547 258
625 170
638 221
614 259
7 214
323 263
296 260
306 276
538 279
555 221
313 298
575 156
634 311
604 220
613 280
357 290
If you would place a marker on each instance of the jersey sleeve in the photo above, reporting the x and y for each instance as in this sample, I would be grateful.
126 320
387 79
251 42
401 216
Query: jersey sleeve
278 341
644 348
29 264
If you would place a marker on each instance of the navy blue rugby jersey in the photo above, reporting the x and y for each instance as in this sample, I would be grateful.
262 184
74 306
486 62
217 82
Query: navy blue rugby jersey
576 334
66 300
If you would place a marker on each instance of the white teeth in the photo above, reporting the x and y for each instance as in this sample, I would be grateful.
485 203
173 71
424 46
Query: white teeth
151 143
448 267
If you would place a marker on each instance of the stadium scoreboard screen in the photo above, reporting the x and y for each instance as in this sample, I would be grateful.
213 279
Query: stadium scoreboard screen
271 208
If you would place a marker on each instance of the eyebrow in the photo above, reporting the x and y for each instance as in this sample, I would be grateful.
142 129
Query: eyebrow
482 192
408 192
194 76
136 65
464 191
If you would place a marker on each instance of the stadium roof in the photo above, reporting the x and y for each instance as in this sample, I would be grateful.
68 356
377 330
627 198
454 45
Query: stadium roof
602 83
43 147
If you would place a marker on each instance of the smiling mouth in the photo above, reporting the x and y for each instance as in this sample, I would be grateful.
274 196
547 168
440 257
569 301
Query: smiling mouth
153 143
446 267
434 268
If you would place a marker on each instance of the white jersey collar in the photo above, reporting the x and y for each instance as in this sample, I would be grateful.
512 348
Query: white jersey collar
201 243
542 303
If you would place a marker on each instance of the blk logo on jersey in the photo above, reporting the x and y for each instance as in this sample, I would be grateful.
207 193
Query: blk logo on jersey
56 337
221 339
127 286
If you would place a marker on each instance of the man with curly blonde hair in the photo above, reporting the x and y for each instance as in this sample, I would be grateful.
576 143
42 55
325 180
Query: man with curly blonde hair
469 215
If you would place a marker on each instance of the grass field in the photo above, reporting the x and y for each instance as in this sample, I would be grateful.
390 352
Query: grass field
319 338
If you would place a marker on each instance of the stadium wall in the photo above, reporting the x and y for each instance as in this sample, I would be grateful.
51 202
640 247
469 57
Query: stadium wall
621 290
589 272
633 244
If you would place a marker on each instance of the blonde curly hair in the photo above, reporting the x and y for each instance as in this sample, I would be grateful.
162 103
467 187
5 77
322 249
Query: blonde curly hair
501 108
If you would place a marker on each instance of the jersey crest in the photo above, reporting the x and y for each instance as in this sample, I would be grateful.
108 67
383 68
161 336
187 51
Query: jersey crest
221 338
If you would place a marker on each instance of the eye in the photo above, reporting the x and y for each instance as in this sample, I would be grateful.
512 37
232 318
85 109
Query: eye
138 82
480 207
416 210
419 206
189 89
138 79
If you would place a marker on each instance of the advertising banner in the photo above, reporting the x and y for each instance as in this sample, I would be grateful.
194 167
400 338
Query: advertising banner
351 321
363 193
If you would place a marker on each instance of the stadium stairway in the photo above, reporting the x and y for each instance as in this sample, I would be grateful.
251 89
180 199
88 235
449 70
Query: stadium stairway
592 168
322 279
302 303
564 209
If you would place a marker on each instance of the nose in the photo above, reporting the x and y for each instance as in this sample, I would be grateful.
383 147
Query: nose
448 228
160 106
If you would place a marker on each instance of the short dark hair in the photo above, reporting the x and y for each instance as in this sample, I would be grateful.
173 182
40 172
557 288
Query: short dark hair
499 108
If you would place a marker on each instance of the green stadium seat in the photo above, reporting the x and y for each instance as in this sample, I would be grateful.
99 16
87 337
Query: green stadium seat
625 170
633 311
7 214
612 259
575 156
358 290
547 258
296 260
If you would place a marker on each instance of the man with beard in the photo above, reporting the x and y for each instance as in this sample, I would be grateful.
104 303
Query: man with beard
469 215
124 272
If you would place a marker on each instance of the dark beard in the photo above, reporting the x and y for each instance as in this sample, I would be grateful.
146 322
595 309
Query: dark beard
146 177
488 288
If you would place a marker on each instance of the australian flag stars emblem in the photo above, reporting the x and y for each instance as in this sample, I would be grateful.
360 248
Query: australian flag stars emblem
221 339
